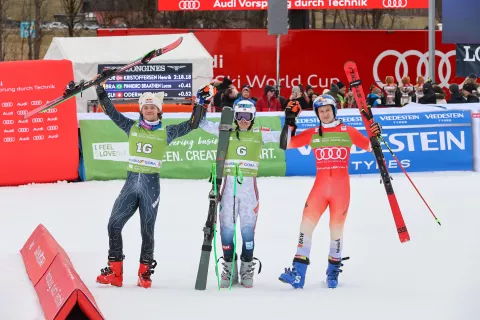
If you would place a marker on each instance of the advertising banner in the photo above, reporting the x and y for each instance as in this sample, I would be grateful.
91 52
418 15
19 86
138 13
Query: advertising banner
249 56
43 148
467 60
105 151
426 141
175 79
180 5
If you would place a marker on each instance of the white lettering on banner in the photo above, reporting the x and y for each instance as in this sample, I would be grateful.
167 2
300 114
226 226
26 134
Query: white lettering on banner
218 61
200 155
53 289
172 156
52 119
23 129
404 117
444 140
52 110
348 3
423 62
22 104
113 151
442 115
40 137
8 113
52 128
22 112
287 82
22 121
475 57
267 154
38 129
37 120
9 131
308 120
39 256
145 161
53 136
7 104
24 139
182 142
9 139
391 164
36 103
8 122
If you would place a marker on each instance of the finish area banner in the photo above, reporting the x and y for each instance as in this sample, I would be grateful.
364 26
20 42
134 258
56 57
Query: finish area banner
179 5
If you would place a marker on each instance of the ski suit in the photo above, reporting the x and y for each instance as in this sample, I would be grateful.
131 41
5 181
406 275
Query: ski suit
244 149
332 183
142 186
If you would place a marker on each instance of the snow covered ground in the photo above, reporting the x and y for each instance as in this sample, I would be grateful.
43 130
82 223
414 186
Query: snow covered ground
434 276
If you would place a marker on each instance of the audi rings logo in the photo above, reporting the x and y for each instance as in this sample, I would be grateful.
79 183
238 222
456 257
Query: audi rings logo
395 3
189 4
333 153
36 103
52 128
40 137
37 120
7 104
23 129
9 139
8 121
22 112
52 110
422 65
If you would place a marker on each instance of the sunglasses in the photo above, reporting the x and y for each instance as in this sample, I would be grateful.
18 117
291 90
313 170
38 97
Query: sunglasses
247 116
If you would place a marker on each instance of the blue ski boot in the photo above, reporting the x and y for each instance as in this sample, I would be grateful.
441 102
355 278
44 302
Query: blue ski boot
333 271
296 276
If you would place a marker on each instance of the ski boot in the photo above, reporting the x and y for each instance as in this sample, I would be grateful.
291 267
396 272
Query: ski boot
112 274
247 269
230 270
296 276
144 272
333 270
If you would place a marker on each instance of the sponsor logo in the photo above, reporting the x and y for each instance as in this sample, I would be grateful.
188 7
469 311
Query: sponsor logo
25 139
402 64
38 129
7 104
39 256
52 119
226 247
475 56
249 245
36 103
52 110
22 121
8 113
39 137
22 104
8 121
9 139
52 128
395 3
300 240
53 137
331 153
22 112
176 68
189 4
37 120
23 129
9 131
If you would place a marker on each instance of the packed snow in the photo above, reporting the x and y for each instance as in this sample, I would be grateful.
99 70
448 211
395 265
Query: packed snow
434 276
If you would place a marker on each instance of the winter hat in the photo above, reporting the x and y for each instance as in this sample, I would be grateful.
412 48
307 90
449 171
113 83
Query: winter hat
296 89
454 88
469 87
340 85
267 89
473 76
308 88
151 98
246 87
334 88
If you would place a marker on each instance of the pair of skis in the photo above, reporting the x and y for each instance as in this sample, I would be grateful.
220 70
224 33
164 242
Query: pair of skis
73 89
356 85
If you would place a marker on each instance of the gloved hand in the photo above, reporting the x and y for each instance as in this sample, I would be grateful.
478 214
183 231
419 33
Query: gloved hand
376 128
206 94
291 112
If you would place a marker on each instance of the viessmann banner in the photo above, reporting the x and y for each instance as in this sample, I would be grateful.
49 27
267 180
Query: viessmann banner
427 141
176 5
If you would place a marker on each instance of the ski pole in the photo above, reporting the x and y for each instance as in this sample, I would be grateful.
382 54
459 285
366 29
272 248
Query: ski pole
214 179
408 177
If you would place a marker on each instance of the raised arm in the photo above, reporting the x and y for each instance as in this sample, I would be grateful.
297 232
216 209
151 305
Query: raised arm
301 140
175 131
119 119
210 126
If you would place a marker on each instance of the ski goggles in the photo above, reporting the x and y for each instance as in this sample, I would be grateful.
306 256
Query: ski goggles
247 116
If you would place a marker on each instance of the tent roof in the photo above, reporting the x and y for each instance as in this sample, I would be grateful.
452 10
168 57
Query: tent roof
124 49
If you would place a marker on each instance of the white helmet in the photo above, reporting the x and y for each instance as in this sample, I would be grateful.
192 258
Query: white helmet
244 109
151 98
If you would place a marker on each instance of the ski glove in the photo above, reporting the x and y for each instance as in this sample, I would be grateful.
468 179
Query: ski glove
376 128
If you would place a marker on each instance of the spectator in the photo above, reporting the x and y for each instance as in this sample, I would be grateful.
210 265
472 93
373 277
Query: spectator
468 89
228 98
245 95
374 98
334 89
428 94
217 99
298 96
439 95
269 101
419 89
313 96
473 81
455 95
341 93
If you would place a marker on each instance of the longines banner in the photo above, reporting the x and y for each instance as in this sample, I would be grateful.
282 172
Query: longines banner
178 5
467 59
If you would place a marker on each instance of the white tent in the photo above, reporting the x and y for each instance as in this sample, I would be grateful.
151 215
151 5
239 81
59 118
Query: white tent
86 53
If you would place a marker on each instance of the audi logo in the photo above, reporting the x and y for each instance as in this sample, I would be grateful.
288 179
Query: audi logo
7 104
37 120
423 61
40 137
53 110
52 128
9 139
22 112
36 103
189 4
8 121
332 153
23 129
394 3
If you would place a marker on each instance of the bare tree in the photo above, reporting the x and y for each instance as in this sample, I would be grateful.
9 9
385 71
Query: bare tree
71 9
4 5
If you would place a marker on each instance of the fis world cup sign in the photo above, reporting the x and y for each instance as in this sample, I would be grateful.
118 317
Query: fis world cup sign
181 5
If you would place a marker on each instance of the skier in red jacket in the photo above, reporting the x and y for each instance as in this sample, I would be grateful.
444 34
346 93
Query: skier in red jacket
331 143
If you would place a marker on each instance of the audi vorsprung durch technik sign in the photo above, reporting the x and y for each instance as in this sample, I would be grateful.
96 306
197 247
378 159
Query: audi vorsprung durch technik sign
179 5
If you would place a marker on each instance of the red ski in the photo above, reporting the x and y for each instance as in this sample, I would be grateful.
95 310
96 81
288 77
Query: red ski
367 117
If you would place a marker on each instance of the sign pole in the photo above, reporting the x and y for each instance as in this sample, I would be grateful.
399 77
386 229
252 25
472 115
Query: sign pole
431 39
278 60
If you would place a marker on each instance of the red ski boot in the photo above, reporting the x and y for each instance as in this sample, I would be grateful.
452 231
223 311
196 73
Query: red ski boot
113 274
144 273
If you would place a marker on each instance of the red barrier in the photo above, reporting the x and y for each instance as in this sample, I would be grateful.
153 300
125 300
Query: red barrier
43 148
59 288
316 57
